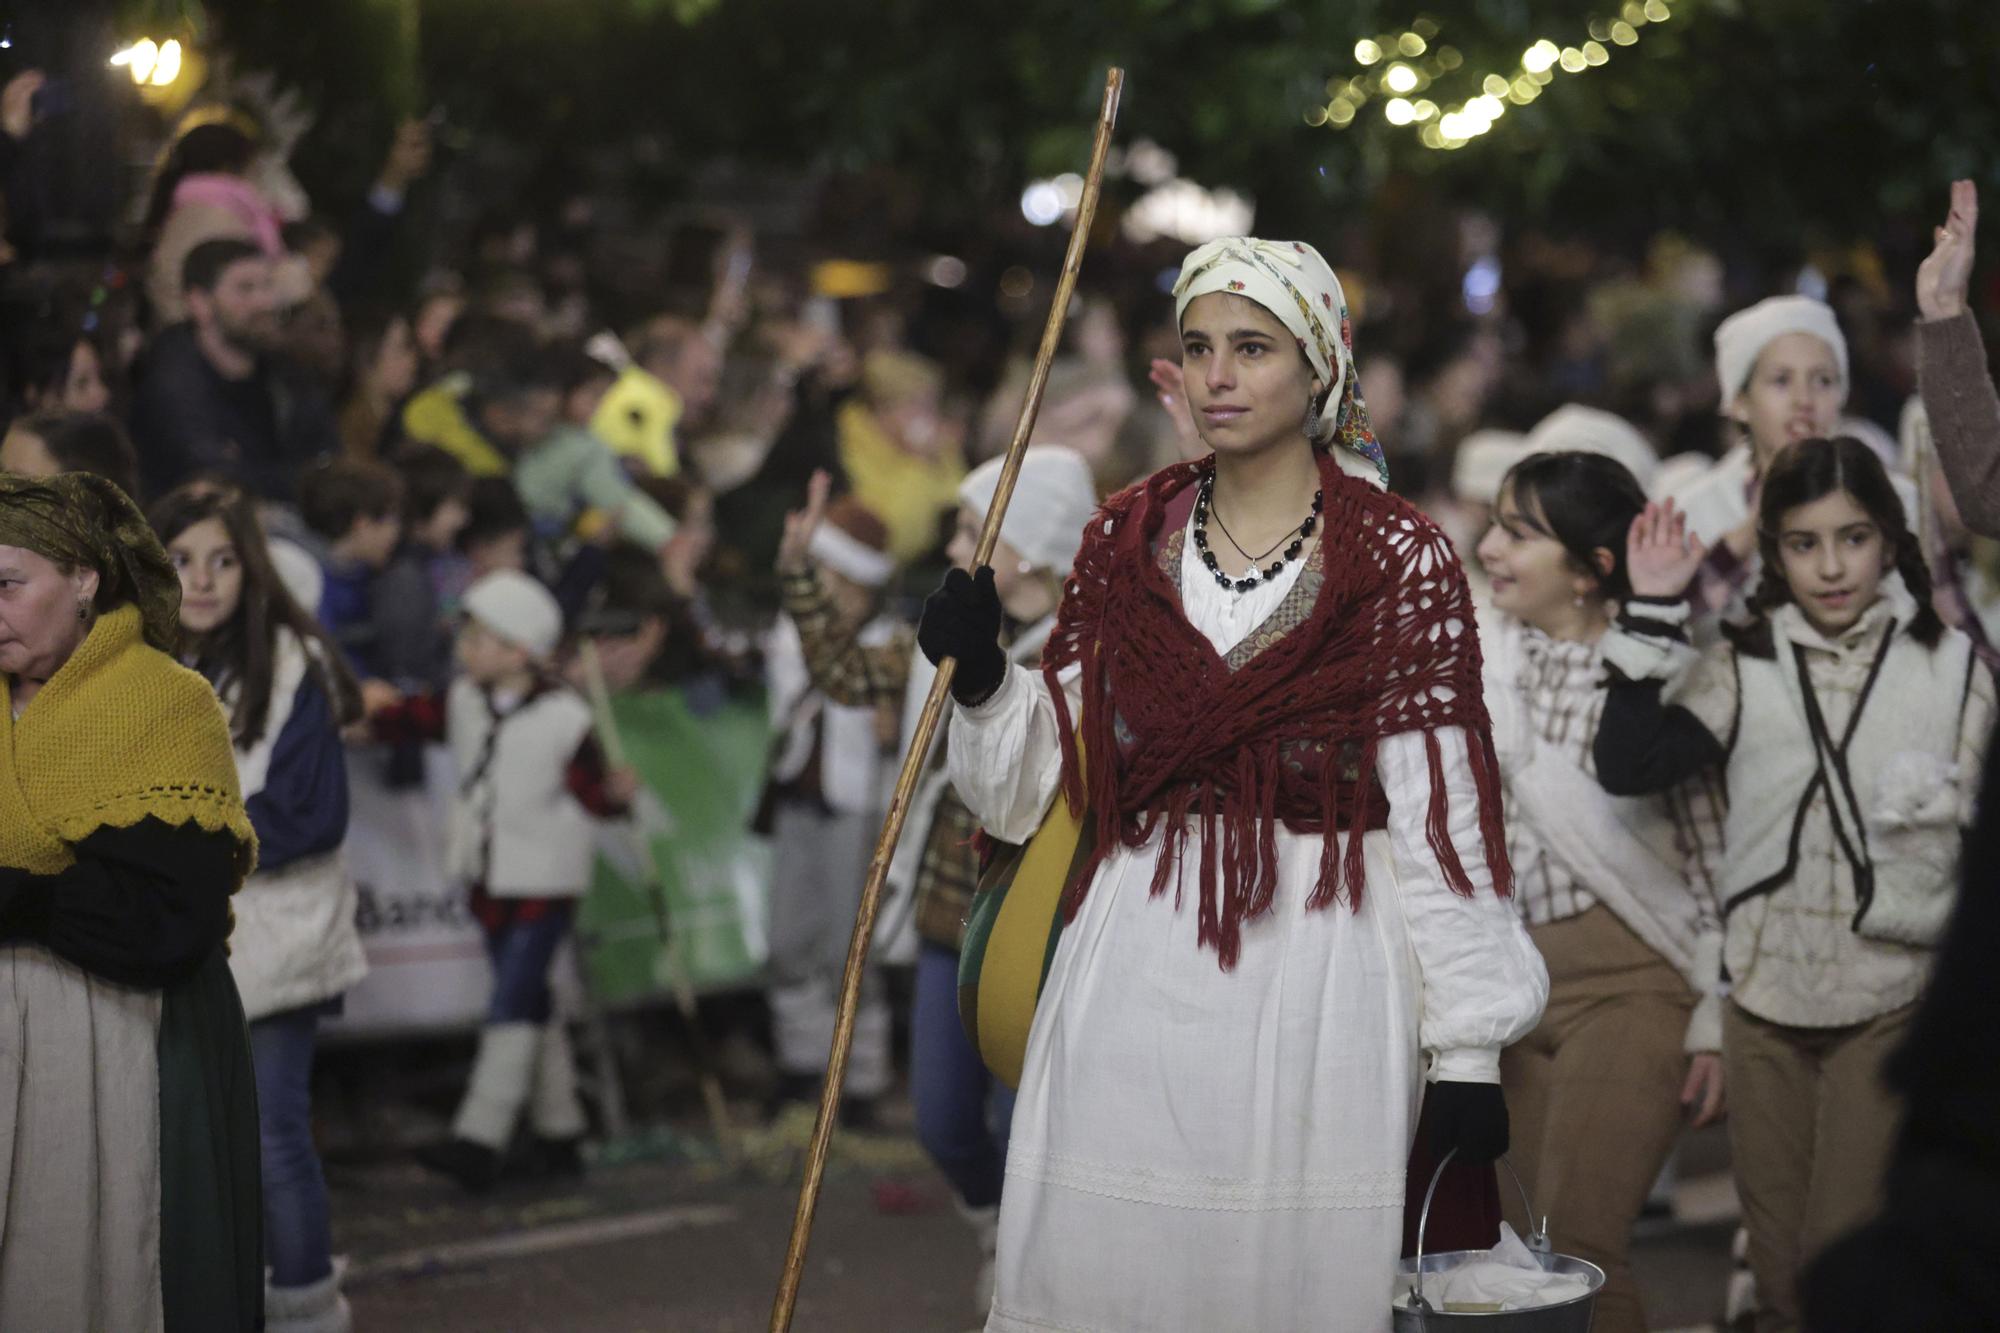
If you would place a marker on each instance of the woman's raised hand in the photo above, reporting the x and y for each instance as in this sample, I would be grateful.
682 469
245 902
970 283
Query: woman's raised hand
1944 275
795 550
1661 555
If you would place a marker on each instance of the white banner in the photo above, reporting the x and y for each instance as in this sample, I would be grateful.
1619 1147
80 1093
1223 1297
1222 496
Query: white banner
427 968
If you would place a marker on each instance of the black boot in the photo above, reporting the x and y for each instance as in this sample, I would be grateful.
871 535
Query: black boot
474 1166
555 1159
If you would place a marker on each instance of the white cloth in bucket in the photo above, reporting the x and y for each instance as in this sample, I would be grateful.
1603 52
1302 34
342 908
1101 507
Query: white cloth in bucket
1506 1277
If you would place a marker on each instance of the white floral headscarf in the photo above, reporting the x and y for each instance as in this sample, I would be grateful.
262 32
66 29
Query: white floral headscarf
1292 281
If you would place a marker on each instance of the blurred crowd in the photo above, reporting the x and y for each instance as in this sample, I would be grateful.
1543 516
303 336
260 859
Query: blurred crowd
430 419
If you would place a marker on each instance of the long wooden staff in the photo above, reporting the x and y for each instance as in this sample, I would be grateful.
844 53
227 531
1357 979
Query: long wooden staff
642 850
927 724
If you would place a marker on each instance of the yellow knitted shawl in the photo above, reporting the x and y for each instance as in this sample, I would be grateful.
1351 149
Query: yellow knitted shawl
121 732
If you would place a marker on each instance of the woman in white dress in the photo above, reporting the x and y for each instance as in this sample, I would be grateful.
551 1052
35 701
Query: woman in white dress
1295 911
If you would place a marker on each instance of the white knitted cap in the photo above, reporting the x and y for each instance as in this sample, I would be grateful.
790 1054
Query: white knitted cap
1742 338
1054 498
1482 462
518 609
1588 430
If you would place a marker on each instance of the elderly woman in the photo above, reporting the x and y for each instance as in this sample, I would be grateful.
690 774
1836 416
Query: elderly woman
128 1125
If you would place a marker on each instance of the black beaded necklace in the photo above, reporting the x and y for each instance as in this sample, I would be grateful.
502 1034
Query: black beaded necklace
1203 502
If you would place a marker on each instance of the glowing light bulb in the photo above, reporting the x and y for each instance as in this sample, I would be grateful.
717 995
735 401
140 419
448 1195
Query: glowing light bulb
1367 52
1494 84
1449 59
1573 61
1657 11
1400 79
1624 33
1426 109
1524 91
1411 45
1340 115
1432 136
168 67
1594 53
1399 111
140 58
1315 116
1539 57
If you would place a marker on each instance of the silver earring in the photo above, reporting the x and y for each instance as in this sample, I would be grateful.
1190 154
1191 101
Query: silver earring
1026 568
1312 417
83 612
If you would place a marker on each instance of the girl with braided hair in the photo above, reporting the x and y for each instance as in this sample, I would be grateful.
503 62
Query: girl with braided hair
1850 725
1262 697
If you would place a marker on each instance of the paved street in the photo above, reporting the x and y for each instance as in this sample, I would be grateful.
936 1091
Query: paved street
649 1246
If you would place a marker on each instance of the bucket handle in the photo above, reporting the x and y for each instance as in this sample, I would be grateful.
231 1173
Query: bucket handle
1538 1233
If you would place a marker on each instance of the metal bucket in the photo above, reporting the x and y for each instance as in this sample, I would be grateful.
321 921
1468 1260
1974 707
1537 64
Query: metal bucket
1417 1316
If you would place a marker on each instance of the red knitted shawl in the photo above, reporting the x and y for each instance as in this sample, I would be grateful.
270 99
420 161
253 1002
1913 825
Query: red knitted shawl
1177 738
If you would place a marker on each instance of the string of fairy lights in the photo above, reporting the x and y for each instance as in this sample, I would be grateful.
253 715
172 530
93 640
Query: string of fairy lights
1399 69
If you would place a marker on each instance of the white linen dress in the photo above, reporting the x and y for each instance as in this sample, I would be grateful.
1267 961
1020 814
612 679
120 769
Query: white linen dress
1202 1150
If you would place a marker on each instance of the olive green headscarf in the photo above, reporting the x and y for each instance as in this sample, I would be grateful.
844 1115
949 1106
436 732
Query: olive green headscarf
82 521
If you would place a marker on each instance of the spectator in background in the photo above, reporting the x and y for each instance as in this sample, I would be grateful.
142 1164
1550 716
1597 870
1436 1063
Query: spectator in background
533 778
412 621
506 398
354 511
496 533
61 370
671 383
432 322
382 367
1449 383
215 397
202 192
572 472
52 443
316 341
899 453
294 949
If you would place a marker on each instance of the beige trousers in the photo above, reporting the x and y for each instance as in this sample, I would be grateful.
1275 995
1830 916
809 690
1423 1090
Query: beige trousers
1811 1126
1593 1097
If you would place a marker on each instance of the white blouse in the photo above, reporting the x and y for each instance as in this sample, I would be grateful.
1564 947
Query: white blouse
1483 982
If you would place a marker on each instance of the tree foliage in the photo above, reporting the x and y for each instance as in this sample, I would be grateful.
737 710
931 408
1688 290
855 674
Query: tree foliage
1763 120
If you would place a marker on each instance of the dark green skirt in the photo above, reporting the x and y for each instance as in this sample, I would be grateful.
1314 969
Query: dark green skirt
211 1190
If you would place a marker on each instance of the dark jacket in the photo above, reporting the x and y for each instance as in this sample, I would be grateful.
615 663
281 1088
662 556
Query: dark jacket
262 432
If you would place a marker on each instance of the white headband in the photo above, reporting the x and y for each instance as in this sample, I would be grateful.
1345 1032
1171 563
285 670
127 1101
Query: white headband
850 557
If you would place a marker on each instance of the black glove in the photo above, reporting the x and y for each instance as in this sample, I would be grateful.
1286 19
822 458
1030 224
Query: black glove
962 620
1471 1117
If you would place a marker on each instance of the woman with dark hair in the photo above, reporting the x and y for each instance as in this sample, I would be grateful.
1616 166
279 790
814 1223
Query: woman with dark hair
47 444
382 366
1290 915
1851 724
295 948
128 1121
1618 893
61 369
